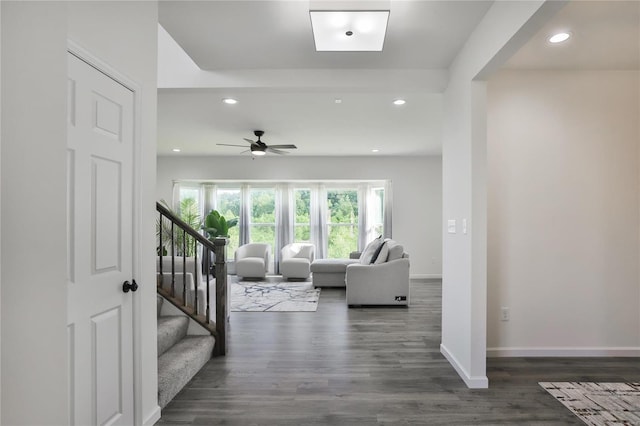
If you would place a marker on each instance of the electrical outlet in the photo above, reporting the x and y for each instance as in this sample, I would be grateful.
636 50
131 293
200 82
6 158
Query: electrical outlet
504 314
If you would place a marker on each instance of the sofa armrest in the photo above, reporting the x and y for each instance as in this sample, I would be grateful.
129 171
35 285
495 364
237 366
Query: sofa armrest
378 284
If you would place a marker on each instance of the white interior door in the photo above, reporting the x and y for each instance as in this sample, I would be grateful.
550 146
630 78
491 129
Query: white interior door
100 245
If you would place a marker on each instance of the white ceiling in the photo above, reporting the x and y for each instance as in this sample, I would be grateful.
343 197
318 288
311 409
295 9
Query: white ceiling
262 53
277 34
605 35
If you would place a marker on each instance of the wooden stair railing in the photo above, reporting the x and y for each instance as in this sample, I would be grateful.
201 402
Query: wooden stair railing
219 327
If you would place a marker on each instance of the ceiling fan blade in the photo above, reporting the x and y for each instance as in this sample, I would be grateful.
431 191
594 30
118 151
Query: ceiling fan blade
249 140
276 151
283 146
227 144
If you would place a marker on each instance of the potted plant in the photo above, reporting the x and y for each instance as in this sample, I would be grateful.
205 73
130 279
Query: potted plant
215 225
189 214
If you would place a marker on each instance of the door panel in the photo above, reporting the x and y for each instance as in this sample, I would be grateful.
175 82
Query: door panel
107 368
100 246
105 215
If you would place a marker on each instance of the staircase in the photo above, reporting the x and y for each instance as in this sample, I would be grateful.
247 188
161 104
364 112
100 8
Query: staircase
180 355
194 297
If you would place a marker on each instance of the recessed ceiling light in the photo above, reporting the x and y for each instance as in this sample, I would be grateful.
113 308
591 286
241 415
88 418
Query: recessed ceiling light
230 101
399 102
176 150
349 31
338 101
559 38
375 150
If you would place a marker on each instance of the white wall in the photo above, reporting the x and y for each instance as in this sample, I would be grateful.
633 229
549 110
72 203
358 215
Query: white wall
33 194
0 217
505 27
417 186
564 213
124 35
34 277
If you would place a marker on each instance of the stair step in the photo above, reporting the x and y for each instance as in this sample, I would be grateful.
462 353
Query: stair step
171 329
178 365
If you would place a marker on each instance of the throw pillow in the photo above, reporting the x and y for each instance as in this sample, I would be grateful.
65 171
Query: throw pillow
367 255
395 250
382 254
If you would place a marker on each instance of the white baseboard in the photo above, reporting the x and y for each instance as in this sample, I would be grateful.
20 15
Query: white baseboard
563 352
425 277
153 417
477 382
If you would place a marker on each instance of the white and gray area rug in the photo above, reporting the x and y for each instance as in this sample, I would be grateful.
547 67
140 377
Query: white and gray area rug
599 403
273 295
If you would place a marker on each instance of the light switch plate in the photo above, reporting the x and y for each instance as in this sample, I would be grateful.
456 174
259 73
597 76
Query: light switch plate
451 226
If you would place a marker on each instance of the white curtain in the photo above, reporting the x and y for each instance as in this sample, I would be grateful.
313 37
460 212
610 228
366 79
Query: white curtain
285 207
209 199
245 214
365 227
388 204
175 202
319 220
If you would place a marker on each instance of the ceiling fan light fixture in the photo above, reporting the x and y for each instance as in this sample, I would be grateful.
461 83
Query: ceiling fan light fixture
258 150
349 30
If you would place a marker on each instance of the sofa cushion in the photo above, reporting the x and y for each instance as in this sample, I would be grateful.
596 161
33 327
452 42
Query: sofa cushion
396 250
331 265
370 251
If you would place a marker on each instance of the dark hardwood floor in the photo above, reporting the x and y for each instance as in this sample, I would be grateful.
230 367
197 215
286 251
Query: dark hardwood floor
373 366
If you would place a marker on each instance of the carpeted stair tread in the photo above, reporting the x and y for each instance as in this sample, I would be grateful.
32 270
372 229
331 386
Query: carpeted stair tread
178 365
171 329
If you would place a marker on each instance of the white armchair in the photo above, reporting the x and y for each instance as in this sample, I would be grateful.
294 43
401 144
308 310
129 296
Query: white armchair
296 259
385 282
252 260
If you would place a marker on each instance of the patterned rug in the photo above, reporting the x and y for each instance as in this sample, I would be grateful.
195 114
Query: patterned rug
273 296
599 403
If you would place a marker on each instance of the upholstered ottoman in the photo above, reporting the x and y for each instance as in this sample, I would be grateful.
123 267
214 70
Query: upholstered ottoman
330 272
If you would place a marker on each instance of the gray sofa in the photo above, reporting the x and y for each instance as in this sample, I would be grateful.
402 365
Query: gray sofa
384 282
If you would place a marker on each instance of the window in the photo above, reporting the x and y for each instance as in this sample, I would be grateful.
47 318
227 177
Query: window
377 211
342 222
302 217
262 224
188 211
338 218
228 205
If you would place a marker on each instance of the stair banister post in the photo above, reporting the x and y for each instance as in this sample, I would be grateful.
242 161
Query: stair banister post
222 319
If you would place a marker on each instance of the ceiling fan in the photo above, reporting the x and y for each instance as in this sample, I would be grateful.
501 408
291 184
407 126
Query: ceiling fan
260 148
